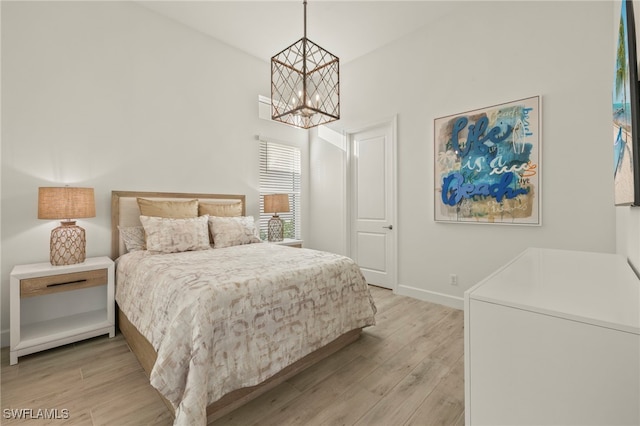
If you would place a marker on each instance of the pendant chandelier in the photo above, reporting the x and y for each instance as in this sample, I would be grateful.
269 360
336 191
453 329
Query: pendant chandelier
305 84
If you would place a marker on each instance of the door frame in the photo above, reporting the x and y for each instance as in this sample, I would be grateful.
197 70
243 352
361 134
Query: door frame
391 122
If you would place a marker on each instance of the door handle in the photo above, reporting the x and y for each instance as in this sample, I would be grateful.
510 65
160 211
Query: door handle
388 227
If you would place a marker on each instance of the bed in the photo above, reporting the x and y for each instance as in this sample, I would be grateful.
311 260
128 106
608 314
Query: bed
217 326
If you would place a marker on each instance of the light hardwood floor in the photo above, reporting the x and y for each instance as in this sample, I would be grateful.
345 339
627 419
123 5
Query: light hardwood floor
407 370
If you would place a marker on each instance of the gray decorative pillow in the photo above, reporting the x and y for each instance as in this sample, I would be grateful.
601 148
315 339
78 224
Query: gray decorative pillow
233 231
169 235
132 237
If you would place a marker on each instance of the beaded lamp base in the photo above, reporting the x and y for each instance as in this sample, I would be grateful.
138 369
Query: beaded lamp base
275 229
67 244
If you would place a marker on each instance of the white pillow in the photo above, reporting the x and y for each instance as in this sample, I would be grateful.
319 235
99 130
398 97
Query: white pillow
132 237
168 235
233 231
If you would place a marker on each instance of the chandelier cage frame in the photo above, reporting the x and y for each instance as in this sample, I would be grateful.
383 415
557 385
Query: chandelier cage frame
305 84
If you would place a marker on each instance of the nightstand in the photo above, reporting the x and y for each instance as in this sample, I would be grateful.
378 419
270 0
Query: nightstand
51 285
288 242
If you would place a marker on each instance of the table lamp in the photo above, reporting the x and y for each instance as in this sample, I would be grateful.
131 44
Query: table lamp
68 242
275 203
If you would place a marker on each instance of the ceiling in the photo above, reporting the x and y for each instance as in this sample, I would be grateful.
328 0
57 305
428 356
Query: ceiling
348 29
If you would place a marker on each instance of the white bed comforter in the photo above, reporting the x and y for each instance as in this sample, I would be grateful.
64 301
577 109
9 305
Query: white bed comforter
223 319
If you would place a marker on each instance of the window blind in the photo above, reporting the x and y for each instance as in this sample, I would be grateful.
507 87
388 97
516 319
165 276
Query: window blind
280 170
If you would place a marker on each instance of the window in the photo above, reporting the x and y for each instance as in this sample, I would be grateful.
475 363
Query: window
280 169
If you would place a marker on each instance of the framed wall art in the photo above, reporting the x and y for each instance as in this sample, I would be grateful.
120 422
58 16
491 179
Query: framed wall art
487 165
626 176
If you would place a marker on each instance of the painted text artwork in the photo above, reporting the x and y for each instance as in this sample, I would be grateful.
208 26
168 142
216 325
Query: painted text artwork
487 165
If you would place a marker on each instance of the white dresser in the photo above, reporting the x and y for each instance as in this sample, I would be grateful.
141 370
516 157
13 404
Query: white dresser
553 338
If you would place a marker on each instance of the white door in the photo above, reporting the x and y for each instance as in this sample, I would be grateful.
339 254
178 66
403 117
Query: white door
373 203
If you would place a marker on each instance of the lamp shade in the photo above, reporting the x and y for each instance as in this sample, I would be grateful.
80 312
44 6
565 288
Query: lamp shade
68 241
276 203
66 203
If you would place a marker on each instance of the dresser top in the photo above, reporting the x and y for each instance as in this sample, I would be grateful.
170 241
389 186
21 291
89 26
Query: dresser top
594 288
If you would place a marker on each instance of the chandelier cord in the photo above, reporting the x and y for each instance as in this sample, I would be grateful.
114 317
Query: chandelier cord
303 99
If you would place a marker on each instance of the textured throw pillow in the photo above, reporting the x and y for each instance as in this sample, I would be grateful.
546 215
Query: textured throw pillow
169 235
168 208
219 209
132 237
233 231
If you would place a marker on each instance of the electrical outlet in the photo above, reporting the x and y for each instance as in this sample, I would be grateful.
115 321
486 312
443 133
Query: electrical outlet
453 279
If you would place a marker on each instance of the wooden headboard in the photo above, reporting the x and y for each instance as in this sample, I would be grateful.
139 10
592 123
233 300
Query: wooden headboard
125 210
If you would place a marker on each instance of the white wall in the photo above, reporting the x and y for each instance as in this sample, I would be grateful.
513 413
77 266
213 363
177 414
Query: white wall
628 234
327 192
113 96
486 53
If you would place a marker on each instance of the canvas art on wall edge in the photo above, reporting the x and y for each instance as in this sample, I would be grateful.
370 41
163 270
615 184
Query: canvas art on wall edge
626 176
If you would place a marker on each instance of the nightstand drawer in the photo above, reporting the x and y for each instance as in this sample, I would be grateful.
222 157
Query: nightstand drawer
63 282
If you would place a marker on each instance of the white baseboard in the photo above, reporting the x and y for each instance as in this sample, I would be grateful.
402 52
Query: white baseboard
431 296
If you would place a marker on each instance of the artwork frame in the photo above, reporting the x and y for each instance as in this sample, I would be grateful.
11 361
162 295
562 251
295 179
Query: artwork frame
626 146
487 165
